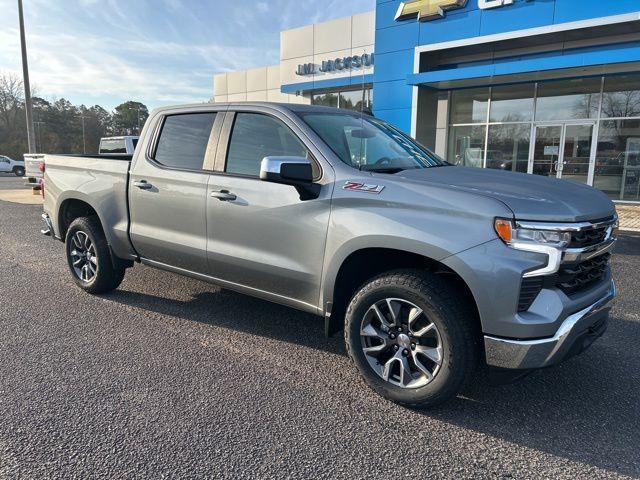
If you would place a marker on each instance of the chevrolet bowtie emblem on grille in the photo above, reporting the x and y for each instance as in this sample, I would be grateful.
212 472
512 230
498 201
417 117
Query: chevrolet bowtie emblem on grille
427 9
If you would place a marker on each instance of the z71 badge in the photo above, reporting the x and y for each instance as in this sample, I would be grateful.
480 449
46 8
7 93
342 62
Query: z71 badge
363 187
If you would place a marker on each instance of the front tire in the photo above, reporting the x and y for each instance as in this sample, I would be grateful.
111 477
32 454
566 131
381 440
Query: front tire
18 171
411 337
89 257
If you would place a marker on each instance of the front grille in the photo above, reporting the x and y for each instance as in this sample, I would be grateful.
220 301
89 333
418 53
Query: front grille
574 278
529 290
588 238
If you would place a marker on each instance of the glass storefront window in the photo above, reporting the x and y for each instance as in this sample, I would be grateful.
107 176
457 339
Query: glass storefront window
469 106
350 100
621 97
325 99
466 145
564 115
617 169
508 147
568 99
512 103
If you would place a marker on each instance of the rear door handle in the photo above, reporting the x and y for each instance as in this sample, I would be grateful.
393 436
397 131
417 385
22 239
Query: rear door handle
224 195
143 185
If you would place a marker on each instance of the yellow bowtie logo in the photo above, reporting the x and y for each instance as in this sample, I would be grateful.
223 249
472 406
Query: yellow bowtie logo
427 9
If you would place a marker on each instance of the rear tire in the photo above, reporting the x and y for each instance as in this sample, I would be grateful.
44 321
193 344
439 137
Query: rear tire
89 257
411 337
18 171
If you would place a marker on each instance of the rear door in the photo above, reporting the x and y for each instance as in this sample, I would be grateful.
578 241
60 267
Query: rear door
5 165
266 238
168 190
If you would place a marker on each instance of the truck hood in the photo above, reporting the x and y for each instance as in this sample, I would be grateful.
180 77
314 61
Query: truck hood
530 197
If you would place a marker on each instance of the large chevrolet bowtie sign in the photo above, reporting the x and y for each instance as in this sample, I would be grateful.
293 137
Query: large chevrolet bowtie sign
431 9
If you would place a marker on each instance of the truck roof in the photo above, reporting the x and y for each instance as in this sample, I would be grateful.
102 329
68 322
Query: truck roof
292 107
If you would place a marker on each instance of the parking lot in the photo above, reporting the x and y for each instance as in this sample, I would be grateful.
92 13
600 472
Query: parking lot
172 377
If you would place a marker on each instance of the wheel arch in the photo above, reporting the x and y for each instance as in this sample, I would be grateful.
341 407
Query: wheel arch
72 208
365 263
69 210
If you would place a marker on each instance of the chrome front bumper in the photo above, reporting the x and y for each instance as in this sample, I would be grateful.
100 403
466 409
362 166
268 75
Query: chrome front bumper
575 334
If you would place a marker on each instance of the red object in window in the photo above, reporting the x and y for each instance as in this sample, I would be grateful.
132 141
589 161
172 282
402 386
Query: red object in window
41 167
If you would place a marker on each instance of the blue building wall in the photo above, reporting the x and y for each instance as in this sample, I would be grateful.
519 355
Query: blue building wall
396 43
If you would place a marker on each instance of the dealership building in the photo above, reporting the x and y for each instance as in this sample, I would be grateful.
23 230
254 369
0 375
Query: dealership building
546 87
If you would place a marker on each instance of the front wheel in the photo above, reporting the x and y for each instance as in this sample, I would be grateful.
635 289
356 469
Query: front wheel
411 338
18 171
89 257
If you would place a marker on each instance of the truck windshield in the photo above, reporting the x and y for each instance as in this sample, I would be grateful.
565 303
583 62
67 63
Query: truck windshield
370 144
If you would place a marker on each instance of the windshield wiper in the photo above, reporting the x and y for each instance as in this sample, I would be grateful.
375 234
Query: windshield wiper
364 168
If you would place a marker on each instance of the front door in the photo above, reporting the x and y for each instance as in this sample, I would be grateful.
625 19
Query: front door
563 151
261 235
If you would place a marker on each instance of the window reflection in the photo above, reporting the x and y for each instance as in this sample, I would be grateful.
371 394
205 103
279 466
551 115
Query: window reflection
513 103
568 99
469 106
617 169
325 99
621 97
350 99
466 146
508 147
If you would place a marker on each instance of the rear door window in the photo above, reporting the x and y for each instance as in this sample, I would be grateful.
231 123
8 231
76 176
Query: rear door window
183 140
256 136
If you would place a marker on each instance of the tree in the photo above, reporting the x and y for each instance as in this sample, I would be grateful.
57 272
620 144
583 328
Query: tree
59 123
11 99
129 118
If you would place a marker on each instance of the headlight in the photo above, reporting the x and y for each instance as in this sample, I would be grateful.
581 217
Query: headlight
511 234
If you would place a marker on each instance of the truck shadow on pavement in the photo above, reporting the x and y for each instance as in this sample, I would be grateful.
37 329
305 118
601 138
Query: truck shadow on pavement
235 311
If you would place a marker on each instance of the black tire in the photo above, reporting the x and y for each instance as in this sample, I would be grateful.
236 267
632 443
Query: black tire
18 171
105 277
457 335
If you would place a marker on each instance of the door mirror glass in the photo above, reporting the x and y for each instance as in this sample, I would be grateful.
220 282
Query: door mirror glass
294 171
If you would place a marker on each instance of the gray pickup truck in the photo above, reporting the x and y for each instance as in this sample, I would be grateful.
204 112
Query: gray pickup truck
431 269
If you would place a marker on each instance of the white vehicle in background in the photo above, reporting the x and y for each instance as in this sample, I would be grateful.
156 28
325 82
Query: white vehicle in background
9 165
118 145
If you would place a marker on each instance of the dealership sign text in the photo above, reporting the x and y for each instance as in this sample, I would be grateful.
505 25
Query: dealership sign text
336 64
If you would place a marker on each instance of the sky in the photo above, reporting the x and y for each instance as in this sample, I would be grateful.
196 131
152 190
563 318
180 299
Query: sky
159 52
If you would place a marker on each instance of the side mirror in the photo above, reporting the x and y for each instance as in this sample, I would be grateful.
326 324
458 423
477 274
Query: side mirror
294 171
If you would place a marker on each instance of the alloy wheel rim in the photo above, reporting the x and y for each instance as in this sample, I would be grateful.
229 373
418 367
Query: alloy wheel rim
400 343
83 256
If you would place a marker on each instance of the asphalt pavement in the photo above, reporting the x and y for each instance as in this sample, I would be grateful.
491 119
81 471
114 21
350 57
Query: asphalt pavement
172 377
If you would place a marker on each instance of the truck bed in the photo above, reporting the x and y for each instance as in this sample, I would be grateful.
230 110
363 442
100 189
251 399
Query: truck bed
99 181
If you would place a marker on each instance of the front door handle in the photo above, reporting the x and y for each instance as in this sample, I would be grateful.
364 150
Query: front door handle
143 185
224 195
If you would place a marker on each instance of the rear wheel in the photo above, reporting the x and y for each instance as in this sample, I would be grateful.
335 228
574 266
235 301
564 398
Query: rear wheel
18 171
411 338
89 257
